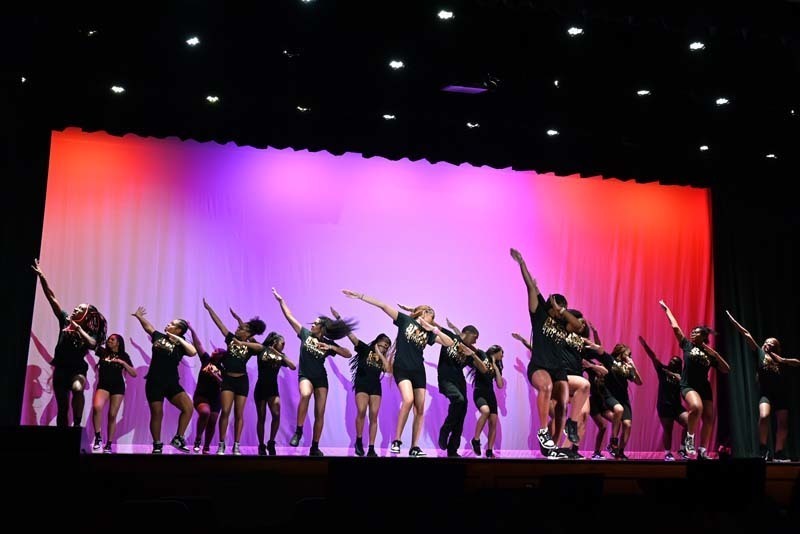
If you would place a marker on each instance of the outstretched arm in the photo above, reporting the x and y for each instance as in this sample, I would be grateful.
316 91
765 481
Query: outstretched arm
791 362
139 314
456 330
198 345
673 322
530 283
747 336
522 340
723 365
441 337
216 319
51 297
652 355
391 312
294 323
236 316
341 351
351 336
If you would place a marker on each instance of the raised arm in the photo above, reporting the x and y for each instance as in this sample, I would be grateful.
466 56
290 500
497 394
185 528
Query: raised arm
216 319
198 345
294 323
522 340
351 336
236 316
187 347
139 314
388 310
673 322
723 365
747 336
456 330
595 335
791 362
86 337
652 355
636 378
441 337
530 283
51 297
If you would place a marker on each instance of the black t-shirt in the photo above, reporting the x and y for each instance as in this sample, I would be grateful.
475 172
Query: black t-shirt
312 358
269 364
411 341
206 380
572 354
71 347
548 338
616 381
485 381
369 366
451 361
696 363
167 354
669 388
235 359
108 370
770 378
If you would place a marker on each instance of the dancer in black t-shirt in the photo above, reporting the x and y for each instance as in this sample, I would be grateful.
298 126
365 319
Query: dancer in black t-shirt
206 397
112 361
484 377
266 395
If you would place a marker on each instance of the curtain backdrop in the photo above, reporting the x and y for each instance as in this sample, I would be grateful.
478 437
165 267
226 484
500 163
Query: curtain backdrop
131 221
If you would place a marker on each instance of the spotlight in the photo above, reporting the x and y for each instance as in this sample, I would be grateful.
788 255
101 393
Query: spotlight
643 92
552 133
697 45
117 89
792 112
396 64
212 99
302 109
556 83
389 117
722 101
91 32
574 31
771 156
192 41
703 148
23 79
473 125
445 15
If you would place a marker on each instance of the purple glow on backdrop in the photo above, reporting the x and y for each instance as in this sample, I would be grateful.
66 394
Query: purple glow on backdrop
164 223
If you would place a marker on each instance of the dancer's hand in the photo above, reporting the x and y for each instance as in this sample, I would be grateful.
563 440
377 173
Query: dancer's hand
663 304
276 295
335 314
36 268
140 312
518 337
352 294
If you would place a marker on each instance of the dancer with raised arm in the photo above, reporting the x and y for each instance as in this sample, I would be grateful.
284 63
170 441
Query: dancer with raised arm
206 397
112 361
367 368
669 407
774 390
266 393
79 331
484 378
235 383
414 332
169 348
316 344
698 358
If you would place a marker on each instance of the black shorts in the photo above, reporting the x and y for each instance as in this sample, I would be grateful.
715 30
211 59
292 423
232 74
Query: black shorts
417 377
316 382
208 396
240 385
265 390
777 400
485 398
627 413
596 404
370 387
64 375
157 391
114 386
669 411
556 375
704 390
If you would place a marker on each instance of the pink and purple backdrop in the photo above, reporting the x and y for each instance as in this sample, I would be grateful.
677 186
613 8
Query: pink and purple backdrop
135 221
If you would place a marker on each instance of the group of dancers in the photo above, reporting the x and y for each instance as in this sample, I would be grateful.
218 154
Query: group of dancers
564 347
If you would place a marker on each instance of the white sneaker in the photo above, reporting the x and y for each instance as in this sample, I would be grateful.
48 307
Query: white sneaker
395 448
221 448
236 451
688 445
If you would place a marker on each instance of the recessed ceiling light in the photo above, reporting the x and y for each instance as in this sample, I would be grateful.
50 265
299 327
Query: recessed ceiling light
703 148
445 15
389 117
117 89
643 92
193 41
212 99
722 101
396 64
697 45
574 31
552 133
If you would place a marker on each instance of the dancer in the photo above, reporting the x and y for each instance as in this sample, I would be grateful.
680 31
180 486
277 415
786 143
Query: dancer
235 382
485 399
317 344
414 331
169 347
113 360
266 394
367 368
206 399
453 385
81 330
669 407
698 358
774 391
546 368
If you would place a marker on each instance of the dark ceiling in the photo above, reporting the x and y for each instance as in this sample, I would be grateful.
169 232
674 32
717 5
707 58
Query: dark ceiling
264 59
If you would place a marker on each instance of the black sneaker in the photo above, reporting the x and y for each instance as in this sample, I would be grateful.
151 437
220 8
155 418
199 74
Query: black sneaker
395 448
271 447
683 454
489 453
314 451
781 457
546 442
556 454
597 455
476 446
158 447
669 457
621 455
416 452
179 443
571 431
196 447
295 441
98 442
359 447
453 454
262 449
107 448
371 451
444 435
